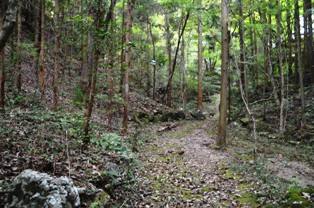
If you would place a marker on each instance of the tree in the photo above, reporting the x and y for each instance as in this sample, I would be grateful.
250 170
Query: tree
18 82
6 28
282 99
200 60
55 83
42 52
221 140
128 61
299 63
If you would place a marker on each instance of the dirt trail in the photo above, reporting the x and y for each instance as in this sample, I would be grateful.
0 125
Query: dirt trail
182 169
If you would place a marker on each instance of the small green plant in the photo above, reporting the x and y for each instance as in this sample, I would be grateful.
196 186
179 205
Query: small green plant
111 142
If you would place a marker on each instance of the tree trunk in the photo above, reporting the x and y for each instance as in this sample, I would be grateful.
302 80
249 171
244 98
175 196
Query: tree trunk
147 70
169 51
55 82
282 84
176 54
298 41
18 83
289 41
111 50
36 40
200 60
242 51
9 19
183 78
222 129
122 57
128 61
154 60
42 52
308 39
2 72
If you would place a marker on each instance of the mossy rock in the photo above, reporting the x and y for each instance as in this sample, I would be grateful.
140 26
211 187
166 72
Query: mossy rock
173 116
245 121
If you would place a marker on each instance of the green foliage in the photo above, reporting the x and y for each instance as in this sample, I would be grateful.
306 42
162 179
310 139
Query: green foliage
80 97
301 197
111 142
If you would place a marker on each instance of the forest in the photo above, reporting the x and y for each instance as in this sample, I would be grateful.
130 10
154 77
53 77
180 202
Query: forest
156 103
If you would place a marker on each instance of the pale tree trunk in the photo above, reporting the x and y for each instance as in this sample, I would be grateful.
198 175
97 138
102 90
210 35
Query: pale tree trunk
18 83
298 45
270 64
200 60
222 128
128 61
242 52
282 83
55 82
42 52
169 51
289 41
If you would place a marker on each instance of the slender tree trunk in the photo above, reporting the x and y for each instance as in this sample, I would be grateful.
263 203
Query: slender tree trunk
147 70
2 72
18 83
308 38
169 52
222 128
94 57
154 59
282 83
55 82
42 52
200 60
242 51
122 57
289 41
176 54
128 61
36 40
298 41
112 51
183 78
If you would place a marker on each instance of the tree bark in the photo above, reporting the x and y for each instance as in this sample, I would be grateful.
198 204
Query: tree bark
9 19
183 78
55 82
282 84
298 41
200 60
169 52
36 40
128 61
176 55
308 39
222 129
18 83
154 59
42 52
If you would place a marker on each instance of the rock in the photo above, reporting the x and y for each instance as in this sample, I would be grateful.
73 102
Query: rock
173 116
245 121
199 115
35 189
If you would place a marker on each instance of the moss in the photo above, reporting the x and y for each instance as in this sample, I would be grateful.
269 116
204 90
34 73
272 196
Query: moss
244 186
231 175
295 195
207 188
248 198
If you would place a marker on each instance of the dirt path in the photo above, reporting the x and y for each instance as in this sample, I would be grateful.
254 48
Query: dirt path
182 169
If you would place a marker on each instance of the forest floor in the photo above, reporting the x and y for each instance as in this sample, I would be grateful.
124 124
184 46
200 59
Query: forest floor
180 166
176 164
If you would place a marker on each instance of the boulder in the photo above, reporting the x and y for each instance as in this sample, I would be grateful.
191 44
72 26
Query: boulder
35 189
245 121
